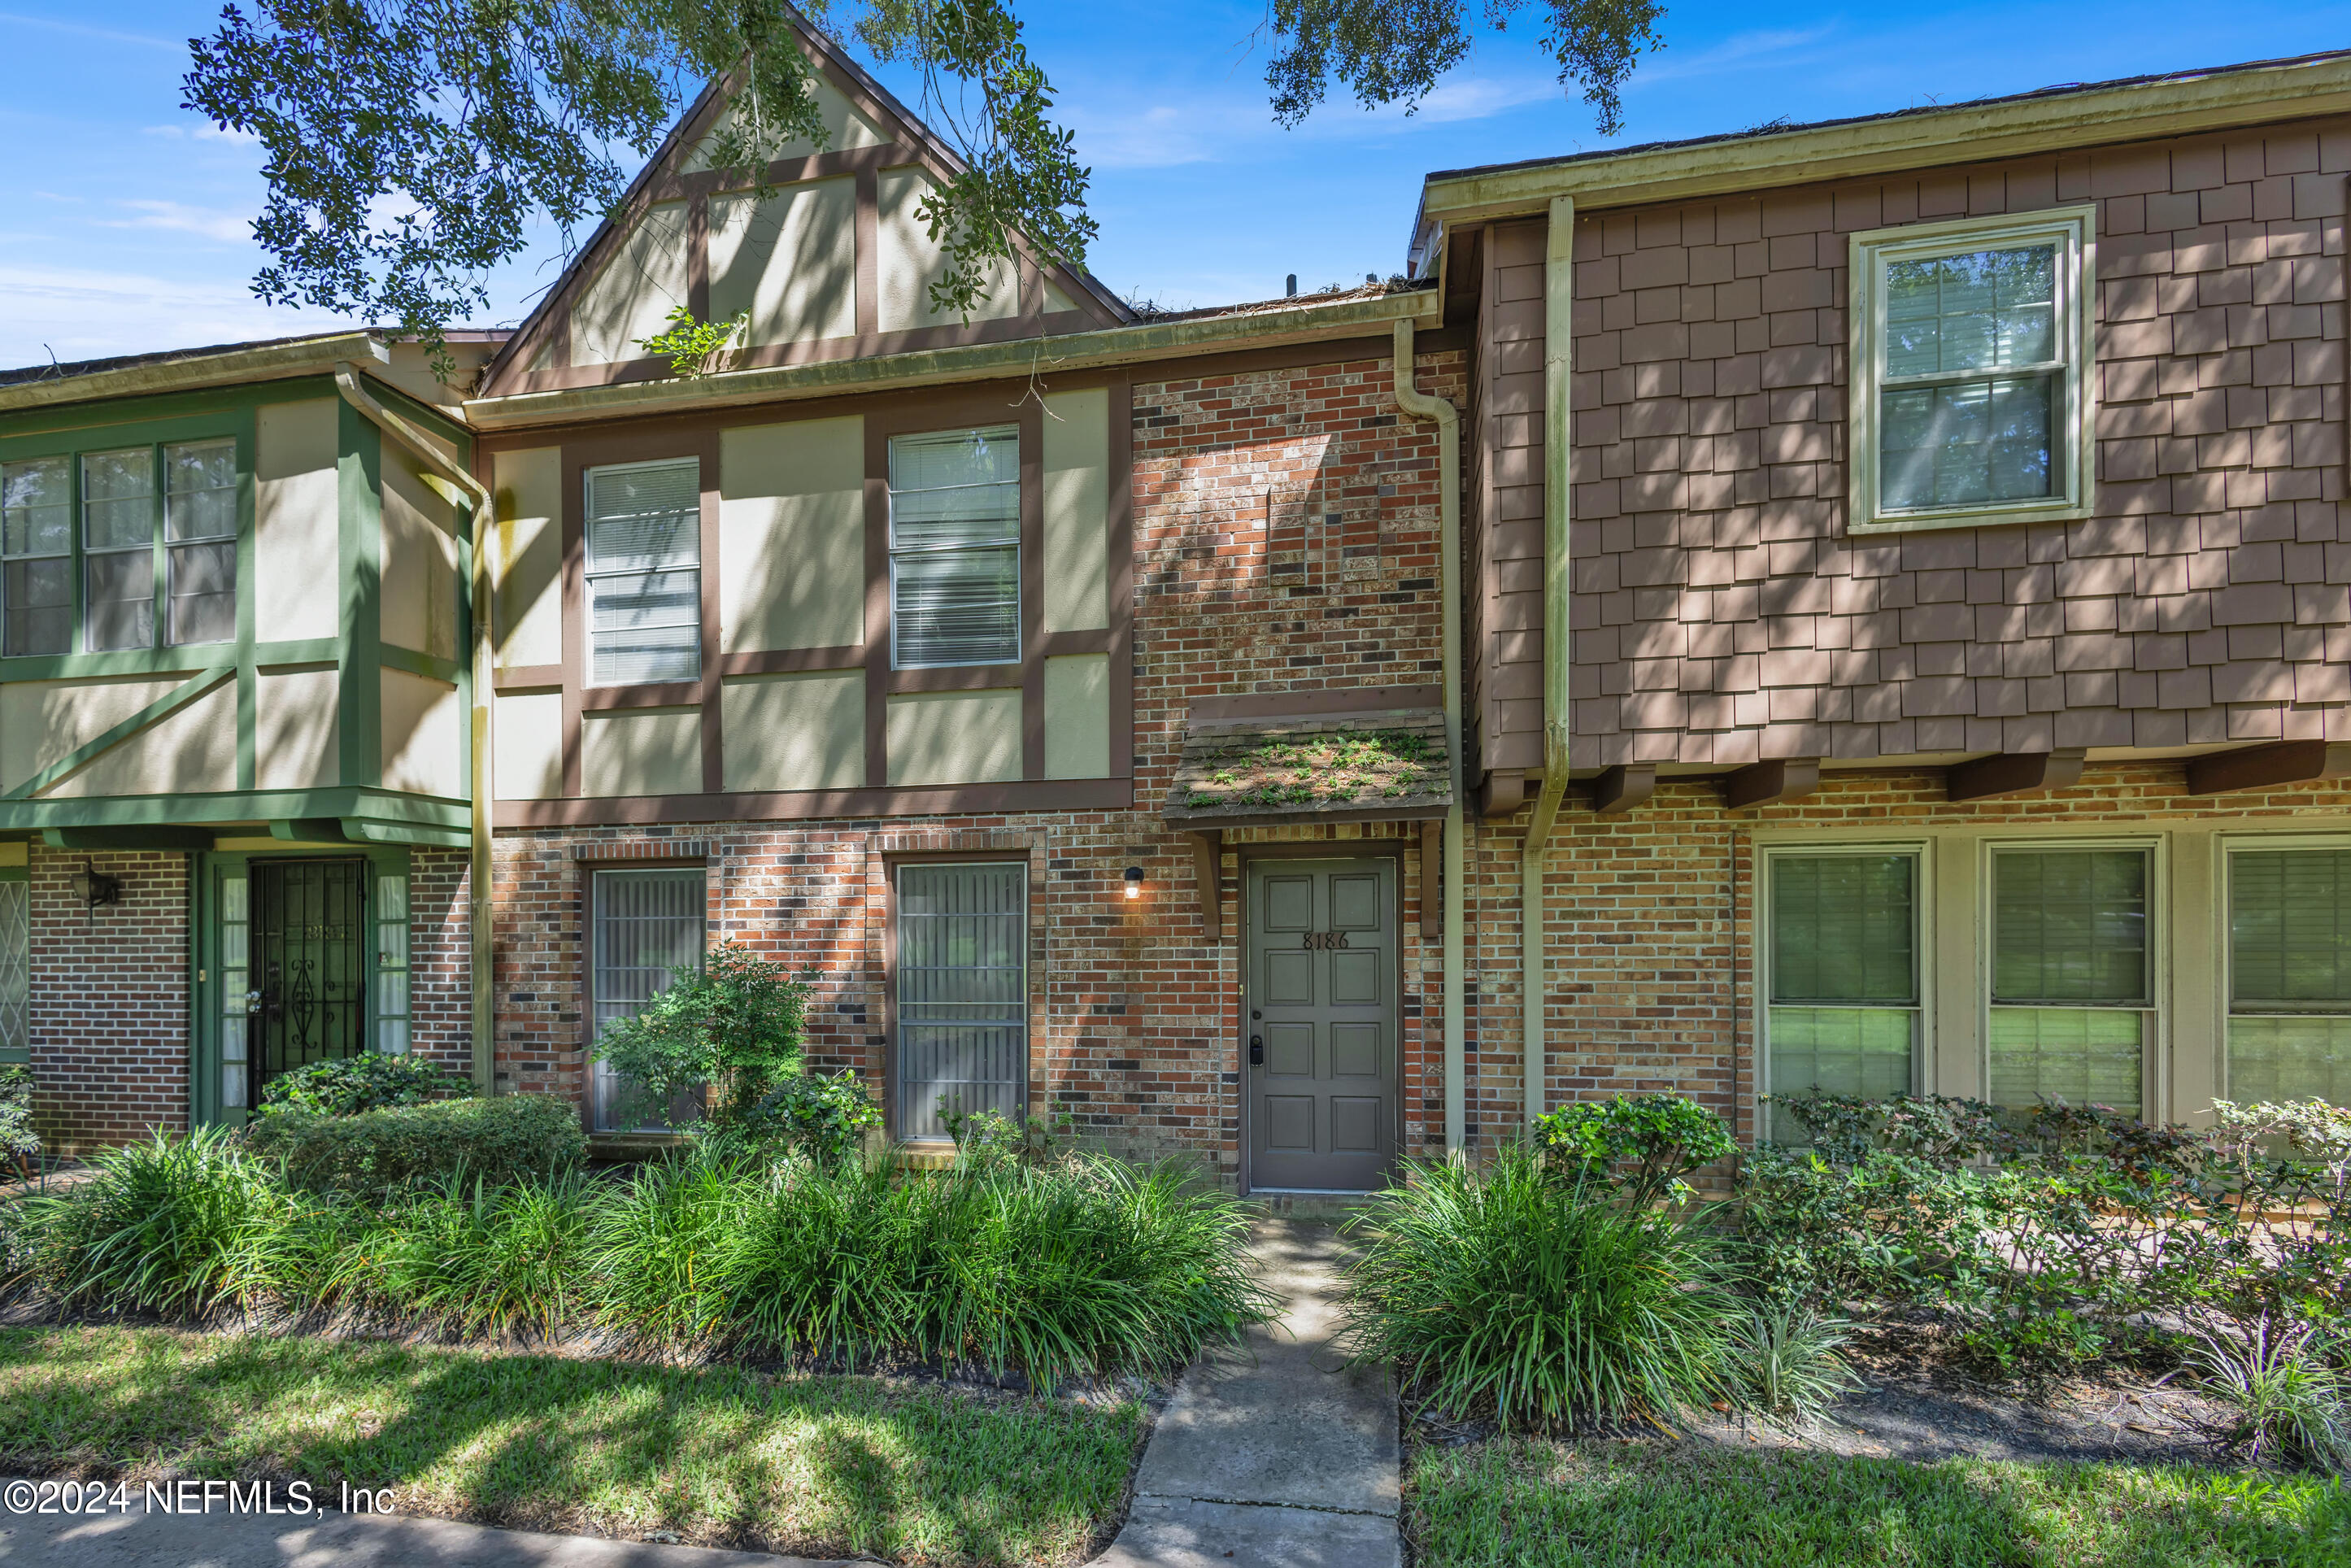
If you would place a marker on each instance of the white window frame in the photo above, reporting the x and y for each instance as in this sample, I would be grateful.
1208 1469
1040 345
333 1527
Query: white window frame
1012 541
173 546
2224 935
2073 461
590 577
2155 1040
1922 916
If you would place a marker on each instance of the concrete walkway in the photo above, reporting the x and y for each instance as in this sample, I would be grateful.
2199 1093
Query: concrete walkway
1279 1454
138 1538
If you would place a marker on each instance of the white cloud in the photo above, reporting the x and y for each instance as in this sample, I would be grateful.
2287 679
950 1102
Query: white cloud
210 221
203 130
108 34
88 315
1741 52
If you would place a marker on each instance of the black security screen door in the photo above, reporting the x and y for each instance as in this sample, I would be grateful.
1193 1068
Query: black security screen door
309 917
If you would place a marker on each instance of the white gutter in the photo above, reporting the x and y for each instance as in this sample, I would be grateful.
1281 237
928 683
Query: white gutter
188 372
1418 404
479 585
1559 344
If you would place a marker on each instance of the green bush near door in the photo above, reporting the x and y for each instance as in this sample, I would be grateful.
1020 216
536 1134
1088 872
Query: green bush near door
511 1138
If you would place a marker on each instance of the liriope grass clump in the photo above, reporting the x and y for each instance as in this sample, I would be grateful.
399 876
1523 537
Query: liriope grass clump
1081 1265
1514 1290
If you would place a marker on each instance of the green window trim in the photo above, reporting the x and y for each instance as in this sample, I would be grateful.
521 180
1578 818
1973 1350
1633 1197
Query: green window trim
2288 933
2039 355
1843 983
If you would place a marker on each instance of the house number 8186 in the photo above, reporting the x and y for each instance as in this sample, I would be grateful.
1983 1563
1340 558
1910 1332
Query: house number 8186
1324 939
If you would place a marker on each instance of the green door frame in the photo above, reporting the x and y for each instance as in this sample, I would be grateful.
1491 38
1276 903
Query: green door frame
385 953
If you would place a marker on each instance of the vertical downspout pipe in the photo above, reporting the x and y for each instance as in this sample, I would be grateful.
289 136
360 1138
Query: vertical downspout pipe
1418 404
1559 342
478 604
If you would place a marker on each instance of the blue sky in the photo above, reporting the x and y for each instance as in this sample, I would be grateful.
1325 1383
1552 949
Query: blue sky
123 217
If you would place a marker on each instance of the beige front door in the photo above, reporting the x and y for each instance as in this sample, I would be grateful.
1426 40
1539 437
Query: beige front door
1321 1024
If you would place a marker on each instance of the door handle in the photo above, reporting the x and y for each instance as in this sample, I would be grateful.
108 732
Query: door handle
1257 1050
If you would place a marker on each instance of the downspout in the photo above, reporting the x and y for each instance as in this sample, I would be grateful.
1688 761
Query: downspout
1418 404
1559 341
478 604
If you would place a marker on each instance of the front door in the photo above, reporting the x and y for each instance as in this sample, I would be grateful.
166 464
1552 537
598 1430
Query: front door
309 917
1321 1041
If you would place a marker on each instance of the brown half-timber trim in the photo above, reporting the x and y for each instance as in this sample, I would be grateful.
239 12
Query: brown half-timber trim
530 677
803 805
791 661
1033 967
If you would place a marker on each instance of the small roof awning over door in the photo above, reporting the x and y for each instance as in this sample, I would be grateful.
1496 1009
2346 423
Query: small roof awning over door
1388 765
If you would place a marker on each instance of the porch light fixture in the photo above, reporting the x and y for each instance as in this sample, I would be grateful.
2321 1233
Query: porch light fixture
95 887
1134 881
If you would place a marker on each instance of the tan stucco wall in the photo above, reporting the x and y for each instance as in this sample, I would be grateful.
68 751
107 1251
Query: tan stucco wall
420 559
845 128
192 752
954 737
791 530
295 520
297 728
794 732
910 261
528 489
791 261
526 741
645 280
1077 716
422 722
1077 510
641 751
42 721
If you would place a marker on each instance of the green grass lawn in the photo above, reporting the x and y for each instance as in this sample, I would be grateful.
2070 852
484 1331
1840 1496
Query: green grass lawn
1528 1501
814 1466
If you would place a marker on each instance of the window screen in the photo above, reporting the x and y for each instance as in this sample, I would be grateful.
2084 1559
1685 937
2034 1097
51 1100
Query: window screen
200 541
1971 390
2071 989
117 543
963 991
955 548
1845 997
644 573
2289 975
35 557
647 925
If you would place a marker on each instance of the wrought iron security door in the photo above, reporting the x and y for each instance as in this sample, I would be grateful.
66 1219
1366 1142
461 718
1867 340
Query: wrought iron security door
310 964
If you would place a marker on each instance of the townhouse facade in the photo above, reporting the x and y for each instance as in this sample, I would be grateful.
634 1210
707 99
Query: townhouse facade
1857 607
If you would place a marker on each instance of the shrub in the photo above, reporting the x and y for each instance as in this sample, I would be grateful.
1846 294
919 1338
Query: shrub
499 1141
349 1085
1787 1362
986 1138
1661 1137
821 1118
477 1258
18 1140
157 1226
1510 1287
2288 1399
730 1025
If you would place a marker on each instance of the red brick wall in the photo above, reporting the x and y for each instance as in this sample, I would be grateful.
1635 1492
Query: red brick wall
1722 614
1648 919
1286 534
110 1002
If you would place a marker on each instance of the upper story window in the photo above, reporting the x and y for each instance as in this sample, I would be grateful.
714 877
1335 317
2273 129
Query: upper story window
158 527
955 548
644 572
1972 393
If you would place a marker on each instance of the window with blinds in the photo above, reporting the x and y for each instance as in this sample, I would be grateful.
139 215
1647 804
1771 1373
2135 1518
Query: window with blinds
644 572
35 557
962 992
955 548
1844 1014
646 924
2289 975
2071 1000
